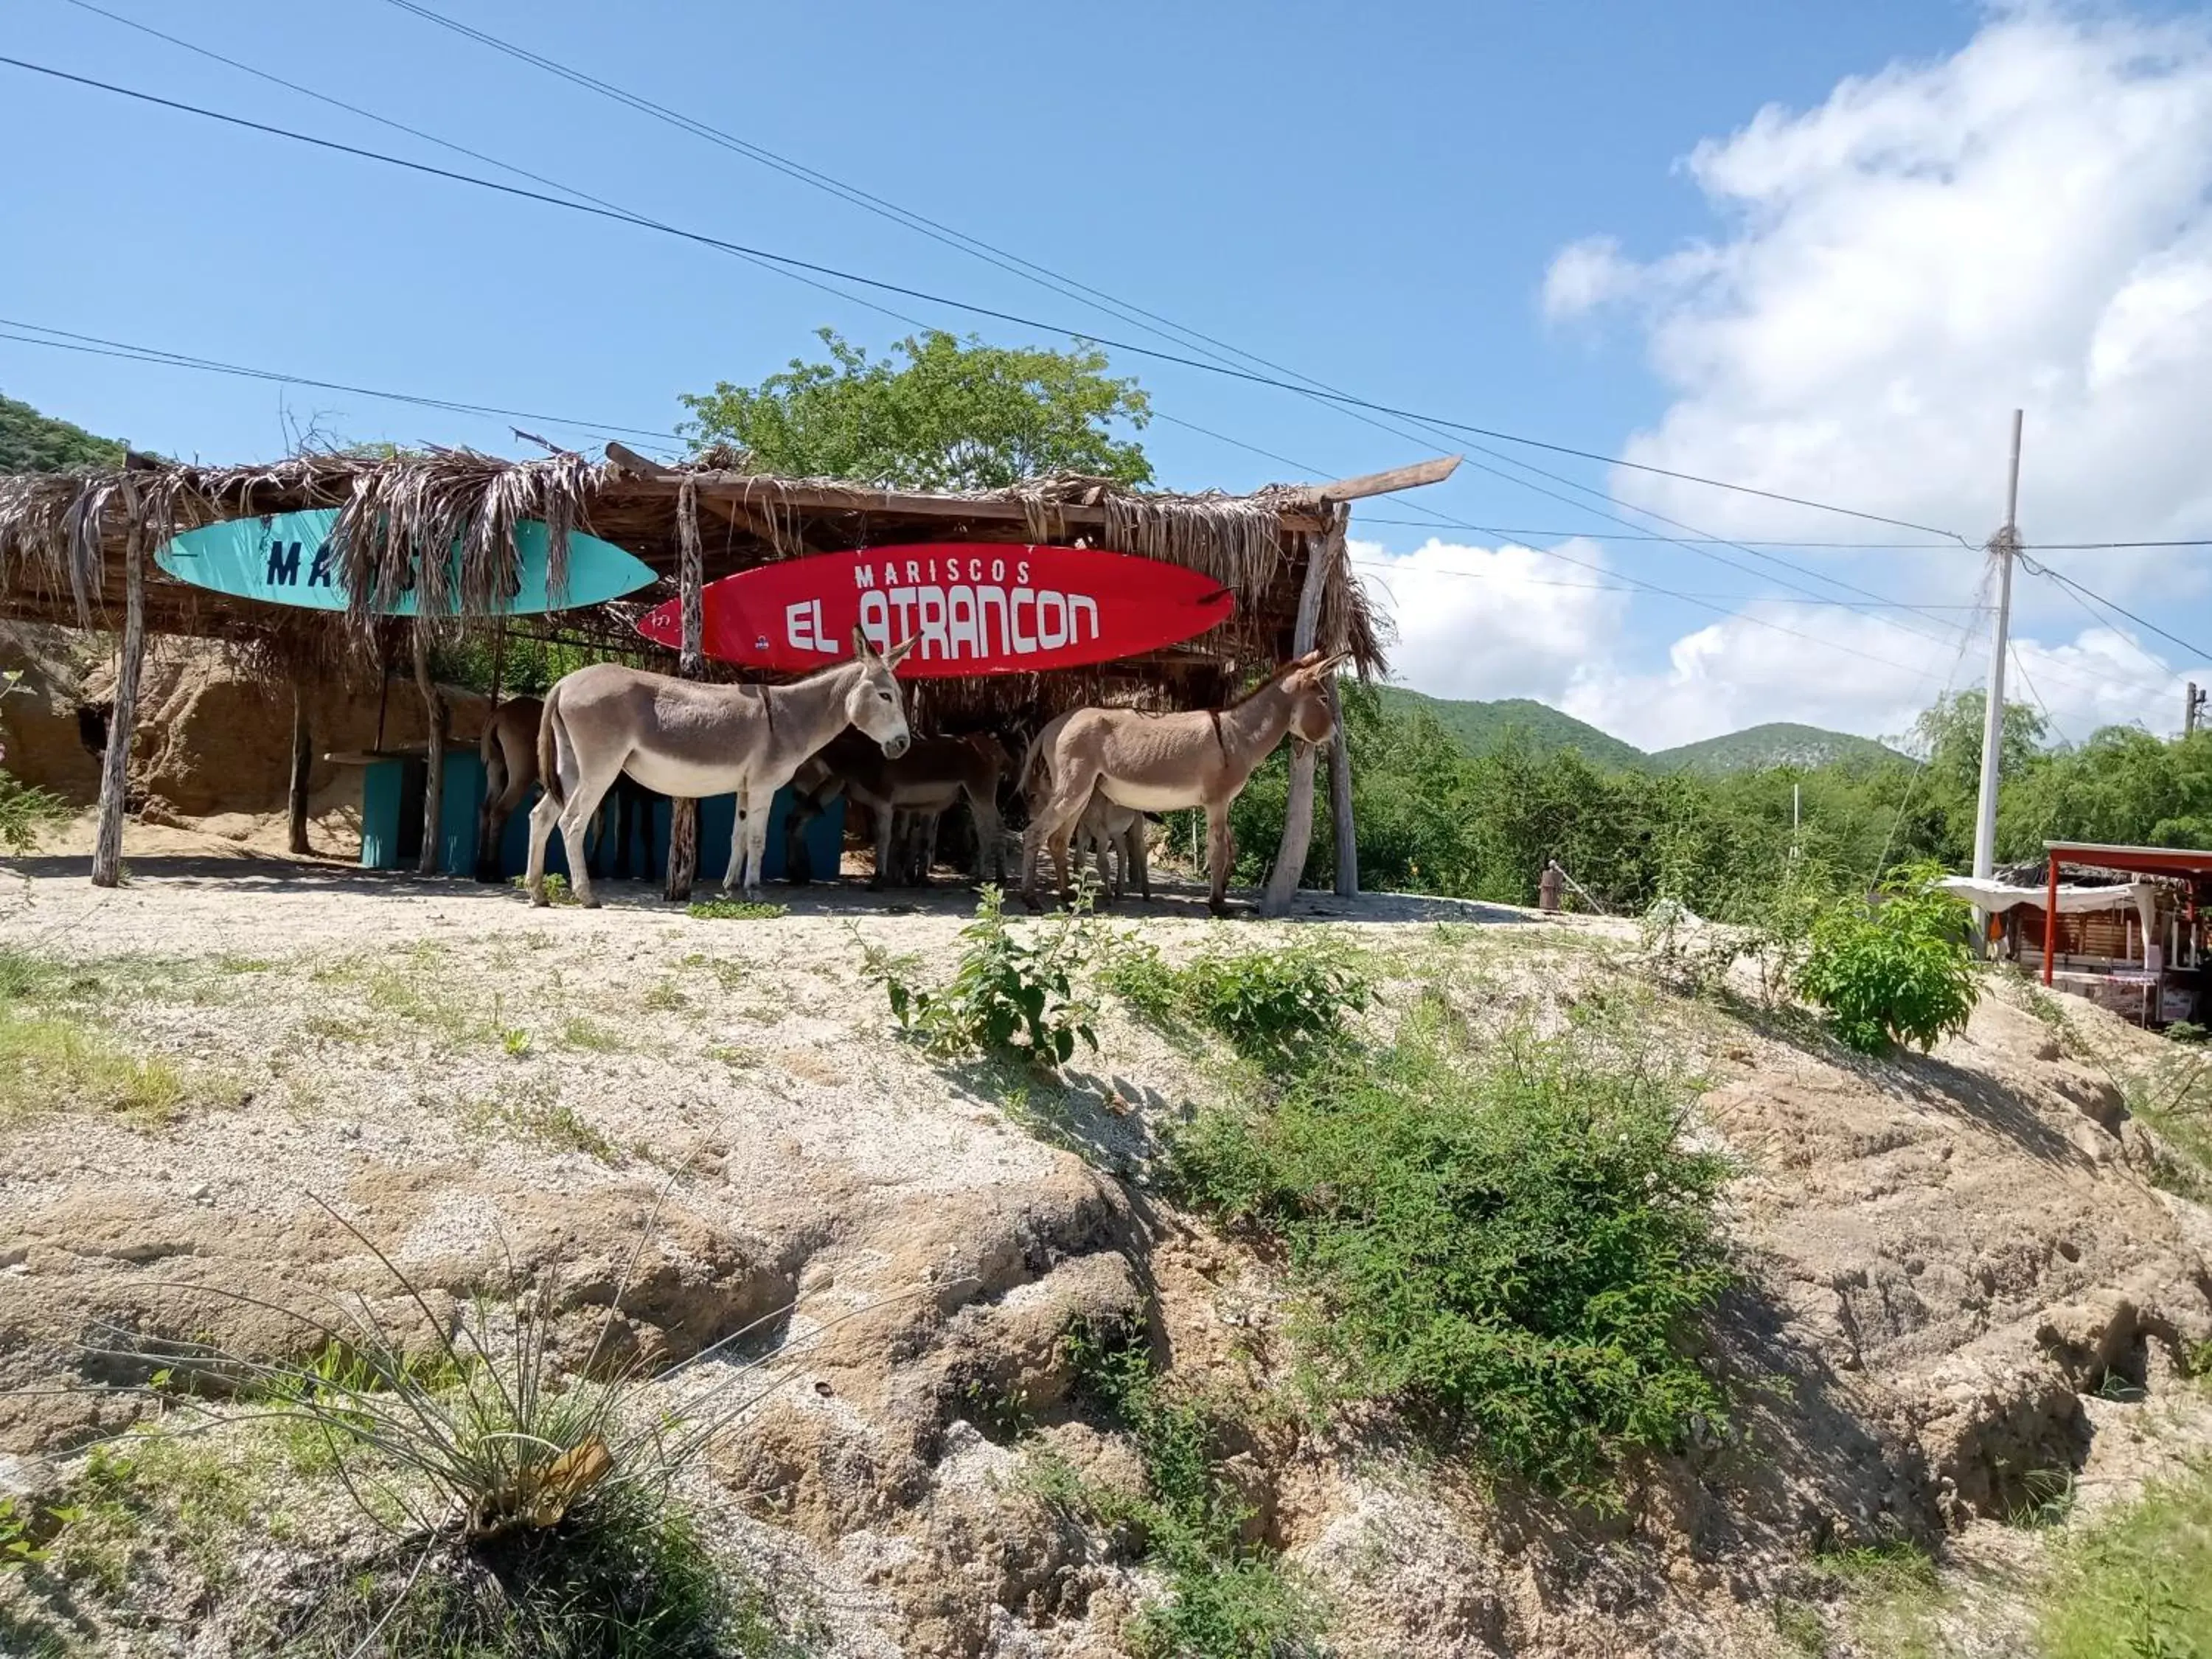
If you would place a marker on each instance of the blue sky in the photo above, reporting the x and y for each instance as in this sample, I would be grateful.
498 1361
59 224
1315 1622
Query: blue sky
1484 212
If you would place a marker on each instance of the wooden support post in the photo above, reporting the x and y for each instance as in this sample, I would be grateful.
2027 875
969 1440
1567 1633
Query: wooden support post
122 719
684 815
1340 802
2050 922
1321 551
433 787
303 760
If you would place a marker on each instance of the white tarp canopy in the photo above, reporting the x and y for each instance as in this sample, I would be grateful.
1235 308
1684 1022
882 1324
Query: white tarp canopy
1997 896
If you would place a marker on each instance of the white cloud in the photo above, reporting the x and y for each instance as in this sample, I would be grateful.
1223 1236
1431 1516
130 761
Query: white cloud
1860 676
2028 222
1506 622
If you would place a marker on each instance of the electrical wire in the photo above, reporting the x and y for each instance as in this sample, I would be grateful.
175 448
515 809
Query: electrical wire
792 262
2196 651
95 345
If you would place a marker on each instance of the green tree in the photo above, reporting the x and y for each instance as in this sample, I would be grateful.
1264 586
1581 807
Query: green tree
938 413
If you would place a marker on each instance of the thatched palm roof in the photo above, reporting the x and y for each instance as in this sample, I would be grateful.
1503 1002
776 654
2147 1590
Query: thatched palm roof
64 541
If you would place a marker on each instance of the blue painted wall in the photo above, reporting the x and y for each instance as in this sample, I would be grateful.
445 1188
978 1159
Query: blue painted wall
381 790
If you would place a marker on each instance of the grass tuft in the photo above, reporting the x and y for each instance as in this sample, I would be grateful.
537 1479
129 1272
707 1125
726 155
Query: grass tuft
2138 1583
735 910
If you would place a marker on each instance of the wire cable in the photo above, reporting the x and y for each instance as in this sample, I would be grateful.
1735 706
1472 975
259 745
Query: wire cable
792 262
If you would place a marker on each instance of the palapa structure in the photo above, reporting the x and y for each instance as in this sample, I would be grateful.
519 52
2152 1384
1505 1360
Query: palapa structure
78 550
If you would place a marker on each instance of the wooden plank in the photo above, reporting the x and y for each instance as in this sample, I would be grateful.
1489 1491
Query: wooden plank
1340 802
122 718
303 757
1384 484
691 662
433 785
1322 552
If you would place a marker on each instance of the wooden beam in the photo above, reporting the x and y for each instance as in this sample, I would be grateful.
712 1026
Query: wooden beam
122 718
1340 802
683 813
433 786
303 760
1321 553
1384 484
914 504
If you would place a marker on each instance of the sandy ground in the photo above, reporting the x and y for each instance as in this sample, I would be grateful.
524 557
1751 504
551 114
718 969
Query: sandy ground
1947 1259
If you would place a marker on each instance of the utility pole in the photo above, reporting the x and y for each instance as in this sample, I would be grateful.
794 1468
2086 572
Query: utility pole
2192 711
2003 546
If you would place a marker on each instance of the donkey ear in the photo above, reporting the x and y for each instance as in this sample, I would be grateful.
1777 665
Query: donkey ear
861 648
897 653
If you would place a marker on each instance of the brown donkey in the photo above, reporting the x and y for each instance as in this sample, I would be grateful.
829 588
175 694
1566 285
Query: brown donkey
691 741
509 752
1162 762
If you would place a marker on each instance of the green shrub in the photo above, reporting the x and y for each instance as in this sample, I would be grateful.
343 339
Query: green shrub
1900 971
1517 1239
2138 1585
1013 995
1225 1597
1278 1005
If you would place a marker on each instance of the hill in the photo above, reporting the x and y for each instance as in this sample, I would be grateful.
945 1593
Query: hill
1780 742
1478 724
32 442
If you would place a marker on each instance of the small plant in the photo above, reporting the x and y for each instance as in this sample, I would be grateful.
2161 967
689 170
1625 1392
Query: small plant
558 890
735 910
1013 994
1519 1243
2186 1031
2047 1498
1799 1624
1897 971
2138 1583
532 1494
19 1535
515 1041
24 811
1225 1596
1279 1007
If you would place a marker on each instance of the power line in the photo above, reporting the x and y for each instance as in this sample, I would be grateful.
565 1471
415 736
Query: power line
1057 281
2196 651
745 250
1622 587
93 345
1718 541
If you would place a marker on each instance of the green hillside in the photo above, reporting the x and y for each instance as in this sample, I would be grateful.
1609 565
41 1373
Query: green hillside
1777 744
32 442
1478 724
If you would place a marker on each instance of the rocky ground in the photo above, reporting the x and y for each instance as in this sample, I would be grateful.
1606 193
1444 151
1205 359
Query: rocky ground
1965 1275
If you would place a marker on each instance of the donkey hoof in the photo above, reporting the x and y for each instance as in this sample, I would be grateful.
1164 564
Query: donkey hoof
591 903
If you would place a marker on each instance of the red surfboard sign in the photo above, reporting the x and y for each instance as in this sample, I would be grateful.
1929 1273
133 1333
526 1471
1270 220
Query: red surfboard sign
973 608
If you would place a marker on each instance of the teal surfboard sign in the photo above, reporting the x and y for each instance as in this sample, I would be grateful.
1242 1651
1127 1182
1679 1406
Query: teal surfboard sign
285 558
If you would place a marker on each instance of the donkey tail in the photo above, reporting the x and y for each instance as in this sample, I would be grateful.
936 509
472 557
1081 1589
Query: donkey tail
549 770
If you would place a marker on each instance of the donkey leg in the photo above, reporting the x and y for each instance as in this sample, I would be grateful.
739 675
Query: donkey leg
886 827
735 874
756 854
542 817
1134 853
1221 853
585 796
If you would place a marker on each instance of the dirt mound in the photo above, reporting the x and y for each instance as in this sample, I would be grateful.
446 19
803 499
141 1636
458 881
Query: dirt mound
1957 1269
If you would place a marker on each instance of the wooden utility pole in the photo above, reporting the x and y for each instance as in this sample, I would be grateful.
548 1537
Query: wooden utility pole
2192 710
1321 554
303 756
433 786
122 719
1339 802
2003 546
684 815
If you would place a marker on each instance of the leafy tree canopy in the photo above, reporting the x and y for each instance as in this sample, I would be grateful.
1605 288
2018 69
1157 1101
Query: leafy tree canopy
937 413
32 442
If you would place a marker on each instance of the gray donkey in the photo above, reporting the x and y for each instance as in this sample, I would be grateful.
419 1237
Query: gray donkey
689 741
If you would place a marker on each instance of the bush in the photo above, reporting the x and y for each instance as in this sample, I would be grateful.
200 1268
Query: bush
1517 1241
1278 1005
1899 969
1225 1597
1013 994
